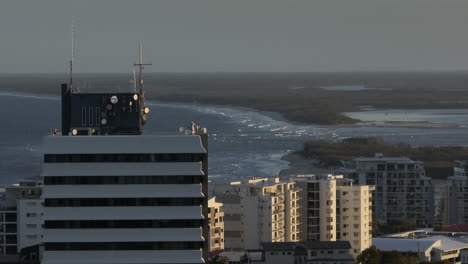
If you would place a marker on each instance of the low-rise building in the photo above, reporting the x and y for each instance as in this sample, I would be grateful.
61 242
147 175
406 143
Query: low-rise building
216 224
402 189
312 252
426 245
20 220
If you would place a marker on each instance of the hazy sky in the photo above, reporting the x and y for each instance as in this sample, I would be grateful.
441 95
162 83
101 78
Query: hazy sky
235 35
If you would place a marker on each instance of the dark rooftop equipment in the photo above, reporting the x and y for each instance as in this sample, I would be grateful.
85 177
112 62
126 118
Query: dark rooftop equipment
104 113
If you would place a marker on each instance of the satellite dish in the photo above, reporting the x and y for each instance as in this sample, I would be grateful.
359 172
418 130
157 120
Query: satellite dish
181 129
103 121
146 110
135 97
109 107
114 99
74 132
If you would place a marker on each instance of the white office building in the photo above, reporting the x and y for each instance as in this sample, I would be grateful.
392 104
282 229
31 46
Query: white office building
125 199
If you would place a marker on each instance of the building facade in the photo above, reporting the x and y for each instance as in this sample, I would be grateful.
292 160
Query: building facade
403 192
21 223
333 209
457 197
313 252
216 224
125 199
426 246
259 210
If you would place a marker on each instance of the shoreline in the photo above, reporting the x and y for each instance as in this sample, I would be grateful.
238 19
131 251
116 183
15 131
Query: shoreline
300 165
275 115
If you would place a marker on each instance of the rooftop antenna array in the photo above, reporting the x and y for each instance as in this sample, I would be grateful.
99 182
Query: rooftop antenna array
140 66
72 54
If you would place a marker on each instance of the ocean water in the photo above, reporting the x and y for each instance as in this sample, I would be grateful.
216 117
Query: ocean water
242 142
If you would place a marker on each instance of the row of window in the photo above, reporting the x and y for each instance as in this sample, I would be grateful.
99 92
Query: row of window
75 224
124 246
145 157
92 117
59 180
89 202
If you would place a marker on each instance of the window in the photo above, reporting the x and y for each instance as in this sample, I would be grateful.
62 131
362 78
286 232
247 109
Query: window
31 226
31 214
98 116
83 116
91 116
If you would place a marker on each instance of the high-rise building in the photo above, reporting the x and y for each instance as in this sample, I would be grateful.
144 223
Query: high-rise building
259 210
20 221
216 224
112 195
403 192
333 209
457 200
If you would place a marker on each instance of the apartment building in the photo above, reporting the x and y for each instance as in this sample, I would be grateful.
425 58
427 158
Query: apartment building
333 209
20 221
216 224
457 200
259 210
403 192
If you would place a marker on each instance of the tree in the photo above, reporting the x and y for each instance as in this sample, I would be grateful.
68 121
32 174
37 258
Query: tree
369 256
440 213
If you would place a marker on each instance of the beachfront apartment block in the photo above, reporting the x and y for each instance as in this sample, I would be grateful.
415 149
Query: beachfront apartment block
216 224
402 190
20 221
258 210
332 208
457 200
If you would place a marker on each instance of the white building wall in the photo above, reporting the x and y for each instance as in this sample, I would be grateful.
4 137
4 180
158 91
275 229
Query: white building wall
29 219
251 216
327 210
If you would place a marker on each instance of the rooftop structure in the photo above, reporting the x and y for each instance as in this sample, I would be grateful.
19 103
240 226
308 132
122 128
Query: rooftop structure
314 252
425 244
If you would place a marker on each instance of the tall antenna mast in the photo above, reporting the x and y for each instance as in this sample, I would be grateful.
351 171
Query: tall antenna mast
72 58
141 65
